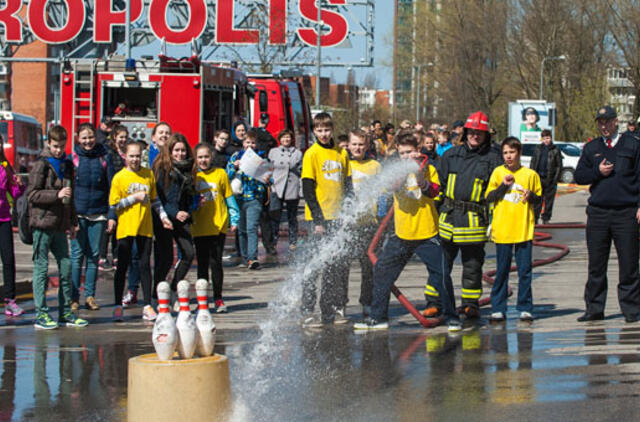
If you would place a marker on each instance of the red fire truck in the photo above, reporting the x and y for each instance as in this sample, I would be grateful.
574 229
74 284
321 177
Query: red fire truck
196 98
22 137
284 101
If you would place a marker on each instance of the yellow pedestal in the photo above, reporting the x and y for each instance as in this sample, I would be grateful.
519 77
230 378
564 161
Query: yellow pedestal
179 390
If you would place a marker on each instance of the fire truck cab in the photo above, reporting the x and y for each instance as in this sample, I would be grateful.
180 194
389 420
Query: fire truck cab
284 101
22 139
195 98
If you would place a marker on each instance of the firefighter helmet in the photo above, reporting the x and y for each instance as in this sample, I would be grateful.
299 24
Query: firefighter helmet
478 121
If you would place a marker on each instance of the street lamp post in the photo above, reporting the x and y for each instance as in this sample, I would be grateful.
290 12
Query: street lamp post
319 52
561 57
418 74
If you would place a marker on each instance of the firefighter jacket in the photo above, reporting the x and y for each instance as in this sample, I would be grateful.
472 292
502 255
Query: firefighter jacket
464 176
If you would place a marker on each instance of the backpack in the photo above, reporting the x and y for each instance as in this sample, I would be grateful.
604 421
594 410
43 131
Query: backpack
24 228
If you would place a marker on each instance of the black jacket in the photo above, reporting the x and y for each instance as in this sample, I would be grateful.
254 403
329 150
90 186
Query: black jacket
622 187
178 195
554 163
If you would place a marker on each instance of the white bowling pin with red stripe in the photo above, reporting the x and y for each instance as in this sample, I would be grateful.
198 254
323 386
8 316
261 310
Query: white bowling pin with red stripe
186 325
204 321
165 334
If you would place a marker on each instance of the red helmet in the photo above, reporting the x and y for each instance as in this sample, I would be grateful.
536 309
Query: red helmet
478 121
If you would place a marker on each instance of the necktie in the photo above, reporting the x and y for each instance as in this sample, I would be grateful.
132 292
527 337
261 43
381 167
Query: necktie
609 143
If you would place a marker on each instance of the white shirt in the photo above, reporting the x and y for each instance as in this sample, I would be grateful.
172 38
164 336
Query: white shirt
614 140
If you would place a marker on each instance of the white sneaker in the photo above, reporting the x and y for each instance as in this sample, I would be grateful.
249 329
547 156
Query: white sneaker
526 316
339 317
497 317
148 313
371 324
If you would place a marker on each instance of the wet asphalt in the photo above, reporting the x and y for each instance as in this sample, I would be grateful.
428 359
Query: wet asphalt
552 369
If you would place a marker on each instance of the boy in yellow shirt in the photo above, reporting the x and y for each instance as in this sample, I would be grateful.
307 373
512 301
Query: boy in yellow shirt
416 231
326 177
514 190
363 168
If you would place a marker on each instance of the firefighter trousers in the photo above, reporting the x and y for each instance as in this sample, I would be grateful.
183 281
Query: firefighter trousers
472 256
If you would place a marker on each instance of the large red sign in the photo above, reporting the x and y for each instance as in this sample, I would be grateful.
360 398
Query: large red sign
105 18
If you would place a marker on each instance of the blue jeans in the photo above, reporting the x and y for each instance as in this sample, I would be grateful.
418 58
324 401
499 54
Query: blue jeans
45 241
504 252
248 228
133 273
86 245
393 258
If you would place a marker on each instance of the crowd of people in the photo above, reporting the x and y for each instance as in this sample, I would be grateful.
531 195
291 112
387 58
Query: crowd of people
113 194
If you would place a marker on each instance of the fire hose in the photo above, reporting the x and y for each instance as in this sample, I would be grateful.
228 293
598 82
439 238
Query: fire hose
540 239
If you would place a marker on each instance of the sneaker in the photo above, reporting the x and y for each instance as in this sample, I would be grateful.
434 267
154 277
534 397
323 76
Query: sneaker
75 306
312 321
339 317
292 247
454 326
371 324
44 322
253 265
497 317
148 313
366 311
118 314
221 308
526 316
130 298
431 312
11 308
70 319
91 304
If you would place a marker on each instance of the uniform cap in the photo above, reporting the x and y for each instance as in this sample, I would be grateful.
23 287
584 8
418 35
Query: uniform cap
606 112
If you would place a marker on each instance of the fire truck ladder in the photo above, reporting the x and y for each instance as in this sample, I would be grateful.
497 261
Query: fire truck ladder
82 85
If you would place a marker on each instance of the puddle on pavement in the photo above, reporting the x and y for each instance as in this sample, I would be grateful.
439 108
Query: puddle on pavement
339 375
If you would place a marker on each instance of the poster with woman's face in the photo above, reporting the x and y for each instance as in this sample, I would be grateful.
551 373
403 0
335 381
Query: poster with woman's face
529 129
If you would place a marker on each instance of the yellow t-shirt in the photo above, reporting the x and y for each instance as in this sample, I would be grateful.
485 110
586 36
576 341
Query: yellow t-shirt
134 220
360 172
213 217
329 168
415 215
513 220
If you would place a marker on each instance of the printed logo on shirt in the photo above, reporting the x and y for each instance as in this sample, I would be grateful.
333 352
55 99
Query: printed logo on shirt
515 194
358 177
208 189
137 187
411 188
332 170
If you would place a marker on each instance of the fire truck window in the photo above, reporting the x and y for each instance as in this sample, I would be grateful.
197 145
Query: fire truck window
210 113
226 110
4 130
297 109
131 103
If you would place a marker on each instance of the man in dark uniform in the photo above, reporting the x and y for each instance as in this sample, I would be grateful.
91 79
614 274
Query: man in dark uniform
611 165
464 218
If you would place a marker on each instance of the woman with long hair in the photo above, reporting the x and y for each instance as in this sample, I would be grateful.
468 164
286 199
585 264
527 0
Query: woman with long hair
174 170
10 184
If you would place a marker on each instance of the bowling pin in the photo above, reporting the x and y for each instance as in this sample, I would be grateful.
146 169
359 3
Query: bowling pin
186 324
204 321
165 335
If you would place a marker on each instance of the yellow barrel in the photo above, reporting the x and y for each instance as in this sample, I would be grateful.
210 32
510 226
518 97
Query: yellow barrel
190 389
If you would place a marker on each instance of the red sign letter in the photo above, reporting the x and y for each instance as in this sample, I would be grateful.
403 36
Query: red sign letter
225 34
278 22
193 30
104 17
12 23
338 26
37 13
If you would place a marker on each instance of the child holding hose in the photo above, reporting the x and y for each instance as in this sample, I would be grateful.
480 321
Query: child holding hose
416 231
514 190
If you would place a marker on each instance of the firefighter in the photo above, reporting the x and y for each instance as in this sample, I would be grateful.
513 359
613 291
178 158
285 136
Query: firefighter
464 216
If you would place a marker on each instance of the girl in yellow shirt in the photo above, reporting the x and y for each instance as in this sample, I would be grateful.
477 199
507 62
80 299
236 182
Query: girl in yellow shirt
216 207
133 193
